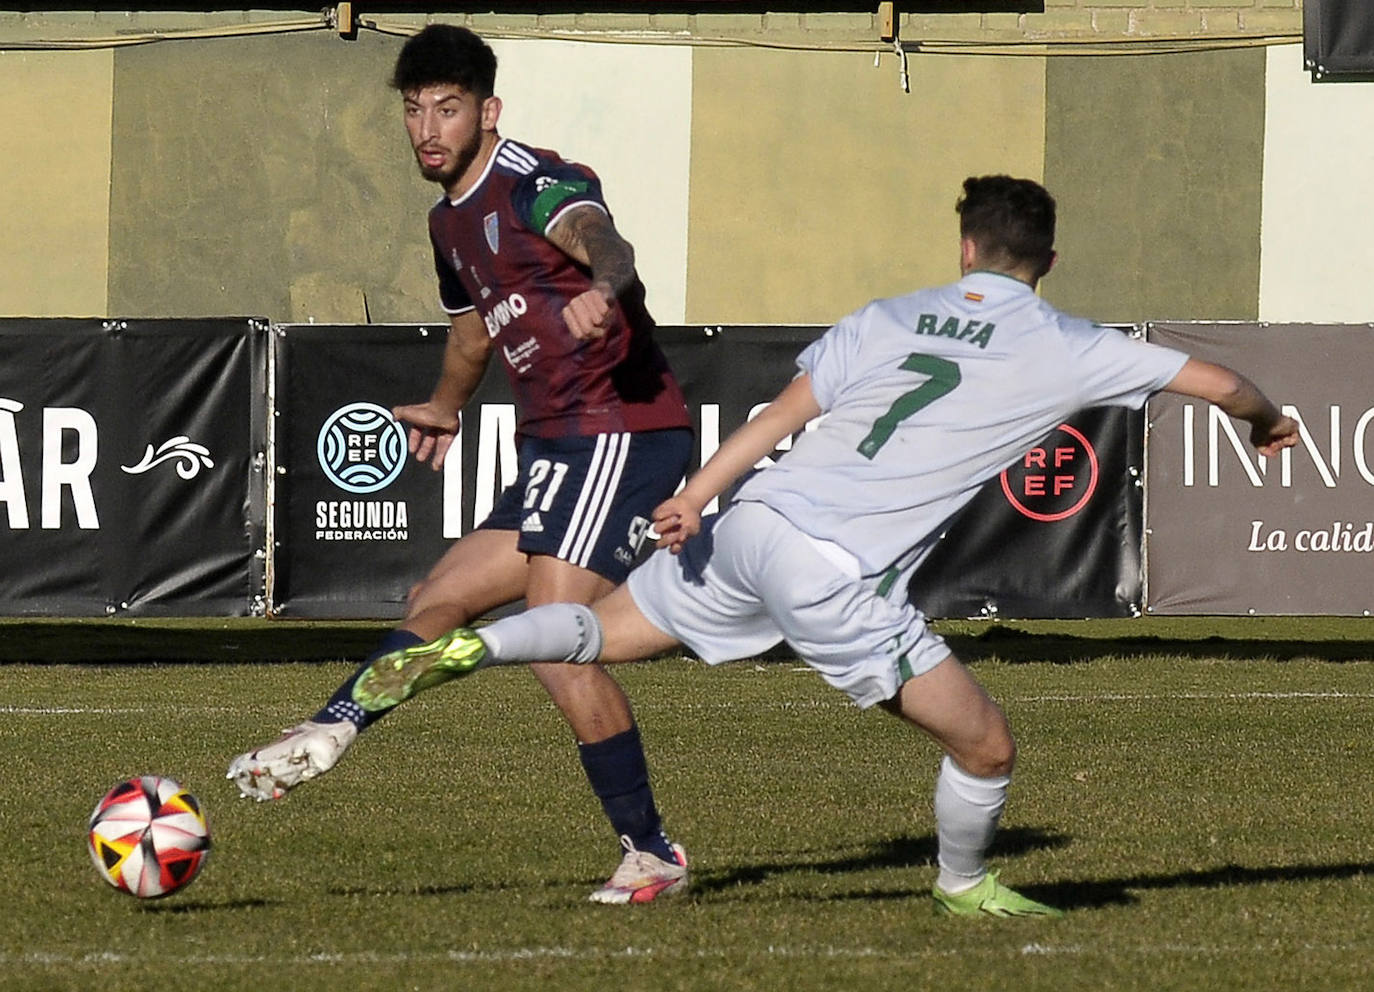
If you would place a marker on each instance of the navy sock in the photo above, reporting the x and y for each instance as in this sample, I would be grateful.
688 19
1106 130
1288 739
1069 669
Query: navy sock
620 778
341 706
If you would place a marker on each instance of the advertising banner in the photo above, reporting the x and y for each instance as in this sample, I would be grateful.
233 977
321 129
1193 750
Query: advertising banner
1231 532
132 467
1057 535
358 521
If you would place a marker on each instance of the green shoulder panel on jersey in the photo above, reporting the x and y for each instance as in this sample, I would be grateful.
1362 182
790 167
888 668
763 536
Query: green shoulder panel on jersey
552 197
973 331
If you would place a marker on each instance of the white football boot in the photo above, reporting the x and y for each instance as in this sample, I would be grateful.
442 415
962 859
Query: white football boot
302 752
643 877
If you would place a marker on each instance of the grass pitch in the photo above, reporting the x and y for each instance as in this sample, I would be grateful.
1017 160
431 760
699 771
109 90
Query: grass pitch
1199 806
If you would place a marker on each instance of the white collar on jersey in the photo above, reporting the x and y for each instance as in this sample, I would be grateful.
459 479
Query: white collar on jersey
486 171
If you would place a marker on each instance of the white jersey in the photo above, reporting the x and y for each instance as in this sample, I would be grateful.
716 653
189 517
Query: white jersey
929 395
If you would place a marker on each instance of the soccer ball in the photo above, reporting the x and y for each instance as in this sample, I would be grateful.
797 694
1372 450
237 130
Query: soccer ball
148 837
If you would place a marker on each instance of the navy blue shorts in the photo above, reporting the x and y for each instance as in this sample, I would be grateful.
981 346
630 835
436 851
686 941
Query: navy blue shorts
588 500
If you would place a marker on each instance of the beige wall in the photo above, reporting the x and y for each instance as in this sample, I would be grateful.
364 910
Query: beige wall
1156 164
787 180
817 184
54 200
266 176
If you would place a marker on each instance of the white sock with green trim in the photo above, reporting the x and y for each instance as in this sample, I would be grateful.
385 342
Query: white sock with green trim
556 632
967 809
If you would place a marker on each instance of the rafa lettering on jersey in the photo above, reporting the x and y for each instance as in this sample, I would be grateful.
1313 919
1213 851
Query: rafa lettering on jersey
975 332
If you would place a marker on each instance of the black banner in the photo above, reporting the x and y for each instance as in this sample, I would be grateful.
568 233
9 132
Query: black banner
358 521
1338 40
132 466
1057 535
134 457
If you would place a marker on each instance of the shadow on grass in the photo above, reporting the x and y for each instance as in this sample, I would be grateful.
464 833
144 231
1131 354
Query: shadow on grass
1098 893
183 907
905 852
896 852
1094 893
234 641
253 639
456 889
1010 645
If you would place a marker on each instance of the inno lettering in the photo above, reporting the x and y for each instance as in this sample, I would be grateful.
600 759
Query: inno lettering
1326 464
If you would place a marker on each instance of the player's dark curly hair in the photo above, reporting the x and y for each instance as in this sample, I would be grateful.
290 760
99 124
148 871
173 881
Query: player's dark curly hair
1010 220
445 53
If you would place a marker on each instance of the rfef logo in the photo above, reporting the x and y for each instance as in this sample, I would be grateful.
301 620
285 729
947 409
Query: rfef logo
361 448
1055 479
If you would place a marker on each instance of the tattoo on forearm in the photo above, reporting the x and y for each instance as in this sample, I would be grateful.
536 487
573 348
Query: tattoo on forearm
589 236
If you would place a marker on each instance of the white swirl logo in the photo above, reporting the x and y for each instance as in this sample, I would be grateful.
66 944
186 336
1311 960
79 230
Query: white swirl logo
189 456
361 448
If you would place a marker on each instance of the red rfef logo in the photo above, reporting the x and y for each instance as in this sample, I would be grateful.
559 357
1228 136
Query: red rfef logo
1055 479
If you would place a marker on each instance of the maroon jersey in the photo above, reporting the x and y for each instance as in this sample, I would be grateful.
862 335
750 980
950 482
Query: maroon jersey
491 254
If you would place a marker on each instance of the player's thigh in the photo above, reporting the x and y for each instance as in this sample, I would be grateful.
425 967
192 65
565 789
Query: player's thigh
480 571
949 705
626 633
553 580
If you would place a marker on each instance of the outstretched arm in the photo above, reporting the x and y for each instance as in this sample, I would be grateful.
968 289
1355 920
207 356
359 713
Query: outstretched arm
1270 430
434 424
587 235
679 518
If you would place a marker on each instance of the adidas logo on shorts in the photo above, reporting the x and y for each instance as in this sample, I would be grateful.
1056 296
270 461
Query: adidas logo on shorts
532 524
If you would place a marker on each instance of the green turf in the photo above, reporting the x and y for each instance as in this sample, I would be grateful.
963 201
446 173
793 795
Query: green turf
1201 808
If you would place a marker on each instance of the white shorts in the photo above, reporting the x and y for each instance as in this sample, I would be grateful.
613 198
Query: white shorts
750 579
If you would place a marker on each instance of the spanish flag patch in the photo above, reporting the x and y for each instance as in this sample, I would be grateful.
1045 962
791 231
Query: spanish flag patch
974 297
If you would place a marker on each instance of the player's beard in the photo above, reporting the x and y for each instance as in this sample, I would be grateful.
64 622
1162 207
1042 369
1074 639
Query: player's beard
463 157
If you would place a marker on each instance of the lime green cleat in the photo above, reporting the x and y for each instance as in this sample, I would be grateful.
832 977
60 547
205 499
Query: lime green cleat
395 677
991 898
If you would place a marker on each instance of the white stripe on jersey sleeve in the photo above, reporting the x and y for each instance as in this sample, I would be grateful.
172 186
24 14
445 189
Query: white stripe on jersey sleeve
516 159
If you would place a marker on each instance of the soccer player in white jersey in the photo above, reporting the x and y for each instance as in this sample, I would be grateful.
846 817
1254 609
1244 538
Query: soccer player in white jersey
925 397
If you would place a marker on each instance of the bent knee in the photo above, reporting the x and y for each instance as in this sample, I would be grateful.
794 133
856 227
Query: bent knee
992 757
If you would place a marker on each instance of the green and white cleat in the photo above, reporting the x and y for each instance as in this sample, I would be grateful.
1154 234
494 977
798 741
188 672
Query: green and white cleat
395 677
990 898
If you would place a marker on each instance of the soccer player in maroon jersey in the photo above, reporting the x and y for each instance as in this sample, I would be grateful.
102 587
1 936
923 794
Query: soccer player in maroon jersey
531 269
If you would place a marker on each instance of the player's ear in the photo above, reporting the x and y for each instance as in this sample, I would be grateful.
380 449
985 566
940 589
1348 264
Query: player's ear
968 255
491 112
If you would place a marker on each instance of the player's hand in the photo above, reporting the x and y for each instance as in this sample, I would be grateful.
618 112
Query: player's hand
588 315
674 522
432 430
1271 439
